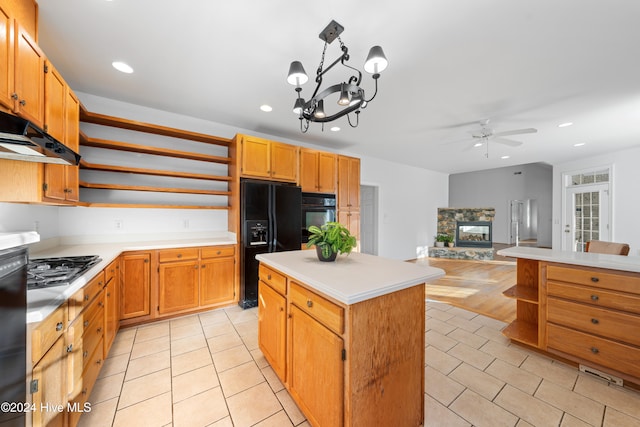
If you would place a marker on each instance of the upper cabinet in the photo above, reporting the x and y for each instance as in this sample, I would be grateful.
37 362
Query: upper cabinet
348 183
28 77
317 171
261 158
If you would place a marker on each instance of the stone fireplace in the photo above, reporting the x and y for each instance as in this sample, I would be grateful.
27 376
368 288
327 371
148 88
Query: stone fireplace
473 234
476 242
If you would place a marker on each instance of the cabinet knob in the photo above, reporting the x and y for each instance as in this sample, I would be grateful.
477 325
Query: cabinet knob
595 321
203 266
99 330
268 277
59 326
86 297
179 256
595 297
595 279
84 391
86 323
281 308
69 348
218 253
85 354
14 96
99 361
309 303
595 350
23 102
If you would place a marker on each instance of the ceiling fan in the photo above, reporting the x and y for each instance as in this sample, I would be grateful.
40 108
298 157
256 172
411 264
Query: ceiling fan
486 134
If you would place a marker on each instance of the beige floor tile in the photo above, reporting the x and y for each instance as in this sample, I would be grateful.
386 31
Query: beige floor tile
440 360
152 412
192 320
279 419
273 380
618 398
293 412
253 405
239 316
467 325
571 421
579 406
247 327
144 388
523 423
152 331
494 324
438 314
240 378
114 365
440 387
107 388
484 384
527 407
121 345
220 328
258 357
613 418
512 355
189 361
225 422
145 348
250 340
224 342
470 355
557 373
439 340
480 412
201 410
519 378
148 364
493 335
101 415
472 340
184 331
212 317
438 415
462 313
230 358
185 345
439 326
194 382
126 334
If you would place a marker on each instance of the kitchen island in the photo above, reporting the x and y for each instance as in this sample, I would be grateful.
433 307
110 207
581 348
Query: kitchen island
346 337
582 307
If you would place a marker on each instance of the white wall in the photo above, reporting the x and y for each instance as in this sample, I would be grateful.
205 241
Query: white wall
624 195
409 197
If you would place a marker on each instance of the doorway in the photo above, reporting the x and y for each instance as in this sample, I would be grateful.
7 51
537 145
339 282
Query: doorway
523 222
369 219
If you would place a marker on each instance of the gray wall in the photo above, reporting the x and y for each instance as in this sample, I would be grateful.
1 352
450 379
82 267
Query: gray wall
497 187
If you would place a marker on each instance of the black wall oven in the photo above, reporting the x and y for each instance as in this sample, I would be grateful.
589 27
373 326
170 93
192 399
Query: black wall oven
317 209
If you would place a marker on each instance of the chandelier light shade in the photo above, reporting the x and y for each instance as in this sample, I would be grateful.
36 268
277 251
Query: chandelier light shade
349 95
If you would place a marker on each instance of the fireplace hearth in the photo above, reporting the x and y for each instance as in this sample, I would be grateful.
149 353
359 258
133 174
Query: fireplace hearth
473 234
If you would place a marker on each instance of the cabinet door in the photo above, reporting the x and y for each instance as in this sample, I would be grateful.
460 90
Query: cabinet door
217 281
54 125
178 286
50 375
29 78
272 324
135 286
348 183
308 170
111 305
319 390
256 157
327 165
6 58
284 162
72 140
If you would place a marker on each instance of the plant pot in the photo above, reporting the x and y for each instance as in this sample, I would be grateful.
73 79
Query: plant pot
331 257
439 244
450 244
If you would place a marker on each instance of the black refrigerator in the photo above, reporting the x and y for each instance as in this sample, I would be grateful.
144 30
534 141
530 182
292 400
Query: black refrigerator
270 219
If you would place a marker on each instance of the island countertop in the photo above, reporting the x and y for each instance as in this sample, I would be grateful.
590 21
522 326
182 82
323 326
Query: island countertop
585 259
351 278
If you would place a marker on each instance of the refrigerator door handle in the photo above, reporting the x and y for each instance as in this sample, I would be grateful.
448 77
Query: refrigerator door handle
272 221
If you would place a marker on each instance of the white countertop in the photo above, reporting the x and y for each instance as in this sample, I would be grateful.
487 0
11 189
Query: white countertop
586 259
351 278
42 302
19 238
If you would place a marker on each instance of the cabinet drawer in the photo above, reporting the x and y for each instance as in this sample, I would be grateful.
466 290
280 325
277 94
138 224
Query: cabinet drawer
92 336
110 272
595 296
218 251
83 297
88 380
595 277
326 312
620 357
47 332
600 321
274 279
179 254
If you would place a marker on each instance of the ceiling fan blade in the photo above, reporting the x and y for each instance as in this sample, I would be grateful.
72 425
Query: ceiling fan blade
509 142
516 132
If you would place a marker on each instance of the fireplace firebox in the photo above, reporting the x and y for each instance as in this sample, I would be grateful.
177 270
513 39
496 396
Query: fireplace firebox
473 234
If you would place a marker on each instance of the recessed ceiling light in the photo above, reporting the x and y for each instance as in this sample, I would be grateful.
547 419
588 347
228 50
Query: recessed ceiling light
505 157
478 144
579 144
564 125
335 129
266 108
122 67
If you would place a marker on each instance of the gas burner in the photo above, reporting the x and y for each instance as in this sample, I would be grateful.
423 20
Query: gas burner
48 272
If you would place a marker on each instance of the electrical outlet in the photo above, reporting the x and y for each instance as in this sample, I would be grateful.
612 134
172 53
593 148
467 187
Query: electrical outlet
118 224
185 223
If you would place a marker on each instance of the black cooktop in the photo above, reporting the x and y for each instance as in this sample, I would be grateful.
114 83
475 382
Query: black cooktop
48 272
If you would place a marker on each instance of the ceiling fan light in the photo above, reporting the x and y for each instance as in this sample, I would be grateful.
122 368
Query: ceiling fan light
297 76
319 113
376 61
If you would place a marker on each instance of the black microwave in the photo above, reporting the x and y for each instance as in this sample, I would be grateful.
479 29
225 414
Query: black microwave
317 209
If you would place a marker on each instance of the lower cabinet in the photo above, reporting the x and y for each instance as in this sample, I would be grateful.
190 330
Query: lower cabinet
136 285
111 304
272 327
217 275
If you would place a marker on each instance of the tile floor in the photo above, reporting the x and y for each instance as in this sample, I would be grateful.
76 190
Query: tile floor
207 370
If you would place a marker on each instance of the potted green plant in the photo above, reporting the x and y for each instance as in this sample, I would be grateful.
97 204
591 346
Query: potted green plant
441 239
331 239
449 240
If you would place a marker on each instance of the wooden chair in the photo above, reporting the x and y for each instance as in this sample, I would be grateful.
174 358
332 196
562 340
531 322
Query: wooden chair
598 246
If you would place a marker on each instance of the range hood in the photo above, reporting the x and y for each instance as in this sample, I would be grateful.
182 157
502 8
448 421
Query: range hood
22 140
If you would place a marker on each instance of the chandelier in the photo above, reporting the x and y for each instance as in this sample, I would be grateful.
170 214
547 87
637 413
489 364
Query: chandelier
350 96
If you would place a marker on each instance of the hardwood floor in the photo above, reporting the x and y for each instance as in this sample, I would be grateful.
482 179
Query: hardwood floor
474 285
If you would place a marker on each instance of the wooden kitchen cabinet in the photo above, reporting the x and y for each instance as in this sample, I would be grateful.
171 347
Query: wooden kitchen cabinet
111 304
136 285
28 77
318 171
217 275
348 183
178 280
272 319
265 159
6 57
